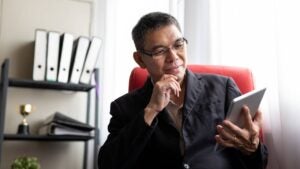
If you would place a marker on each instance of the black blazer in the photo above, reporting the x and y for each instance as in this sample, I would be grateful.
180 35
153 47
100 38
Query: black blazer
132 144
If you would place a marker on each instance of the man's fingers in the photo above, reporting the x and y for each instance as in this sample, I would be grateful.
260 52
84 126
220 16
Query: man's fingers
223 142
170 82
252 126
246 138
175 88
247 117
258 118
223 133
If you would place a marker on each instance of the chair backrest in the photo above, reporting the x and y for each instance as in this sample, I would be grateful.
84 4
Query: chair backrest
242 76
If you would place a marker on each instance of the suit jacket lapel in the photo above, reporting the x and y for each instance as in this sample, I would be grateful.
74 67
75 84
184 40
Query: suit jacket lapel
194 88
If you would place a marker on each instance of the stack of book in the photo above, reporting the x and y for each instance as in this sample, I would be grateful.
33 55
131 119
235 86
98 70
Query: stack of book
60 57
59 124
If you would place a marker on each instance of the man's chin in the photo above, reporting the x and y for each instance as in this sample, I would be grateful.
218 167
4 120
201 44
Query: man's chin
179 74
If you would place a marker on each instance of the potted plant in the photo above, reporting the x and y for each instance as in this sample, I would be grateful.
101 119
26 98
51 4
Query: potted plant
25 163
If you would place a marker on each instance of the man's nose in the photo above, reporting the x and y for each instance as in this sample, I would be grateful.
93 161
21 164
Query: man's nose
172 55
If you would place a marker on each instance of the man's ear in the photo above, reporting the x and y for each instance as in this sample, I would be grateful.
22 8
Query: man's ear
138 59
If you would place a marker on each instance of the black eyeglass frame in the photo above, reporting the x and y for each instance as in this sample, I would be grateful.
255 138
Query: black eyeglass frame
153 54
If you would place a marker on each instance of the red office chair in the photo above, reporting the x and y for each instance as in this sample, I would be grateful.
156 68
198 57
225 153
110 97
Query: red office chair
242 76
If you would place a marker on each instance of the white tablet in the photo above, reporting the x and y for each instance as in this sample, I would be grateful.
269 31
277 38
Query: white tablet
252 99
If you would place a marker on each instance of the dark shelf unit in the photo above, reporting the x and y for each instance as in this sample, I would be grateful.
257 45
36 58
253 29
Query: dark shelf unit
46 138
25 83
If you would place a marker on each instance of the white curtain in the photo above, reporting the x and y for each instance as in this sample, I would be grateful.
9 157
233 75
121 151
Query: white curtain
263 35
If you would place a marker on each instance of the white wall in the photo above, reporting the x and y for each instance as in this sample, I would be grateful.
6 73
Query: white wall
112 20
18 20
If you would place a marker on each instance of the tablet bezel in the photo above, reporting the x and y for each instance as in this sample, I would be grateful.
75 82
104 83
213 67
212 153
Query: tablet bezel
252 99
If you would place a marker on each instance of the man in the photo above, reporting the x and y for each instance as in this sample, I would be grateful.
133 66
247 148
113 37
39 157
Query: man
177 118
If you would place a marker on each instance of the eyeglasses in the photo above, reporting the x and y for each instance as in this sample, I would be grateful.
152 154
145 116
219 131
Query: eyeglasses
178 46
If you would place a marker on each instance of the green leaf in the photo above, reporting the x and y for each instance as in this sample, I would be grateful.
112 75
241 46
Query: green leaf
25 163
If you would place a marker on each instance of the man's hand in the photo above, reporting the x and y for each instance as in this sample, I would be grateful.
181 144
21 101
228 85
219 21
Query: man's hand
161 94
245 139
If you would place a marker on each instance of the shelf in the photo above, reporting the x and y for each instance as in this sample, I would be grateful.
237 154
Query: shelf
49 85
17 137
6 82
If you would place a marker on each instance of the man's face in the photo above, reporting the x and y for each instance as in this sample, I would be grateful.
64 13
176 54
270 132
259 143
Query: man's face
164 53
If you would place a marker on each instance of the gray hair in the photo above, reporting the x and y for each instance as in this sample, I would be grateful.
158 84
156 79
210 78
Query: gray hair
150 22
